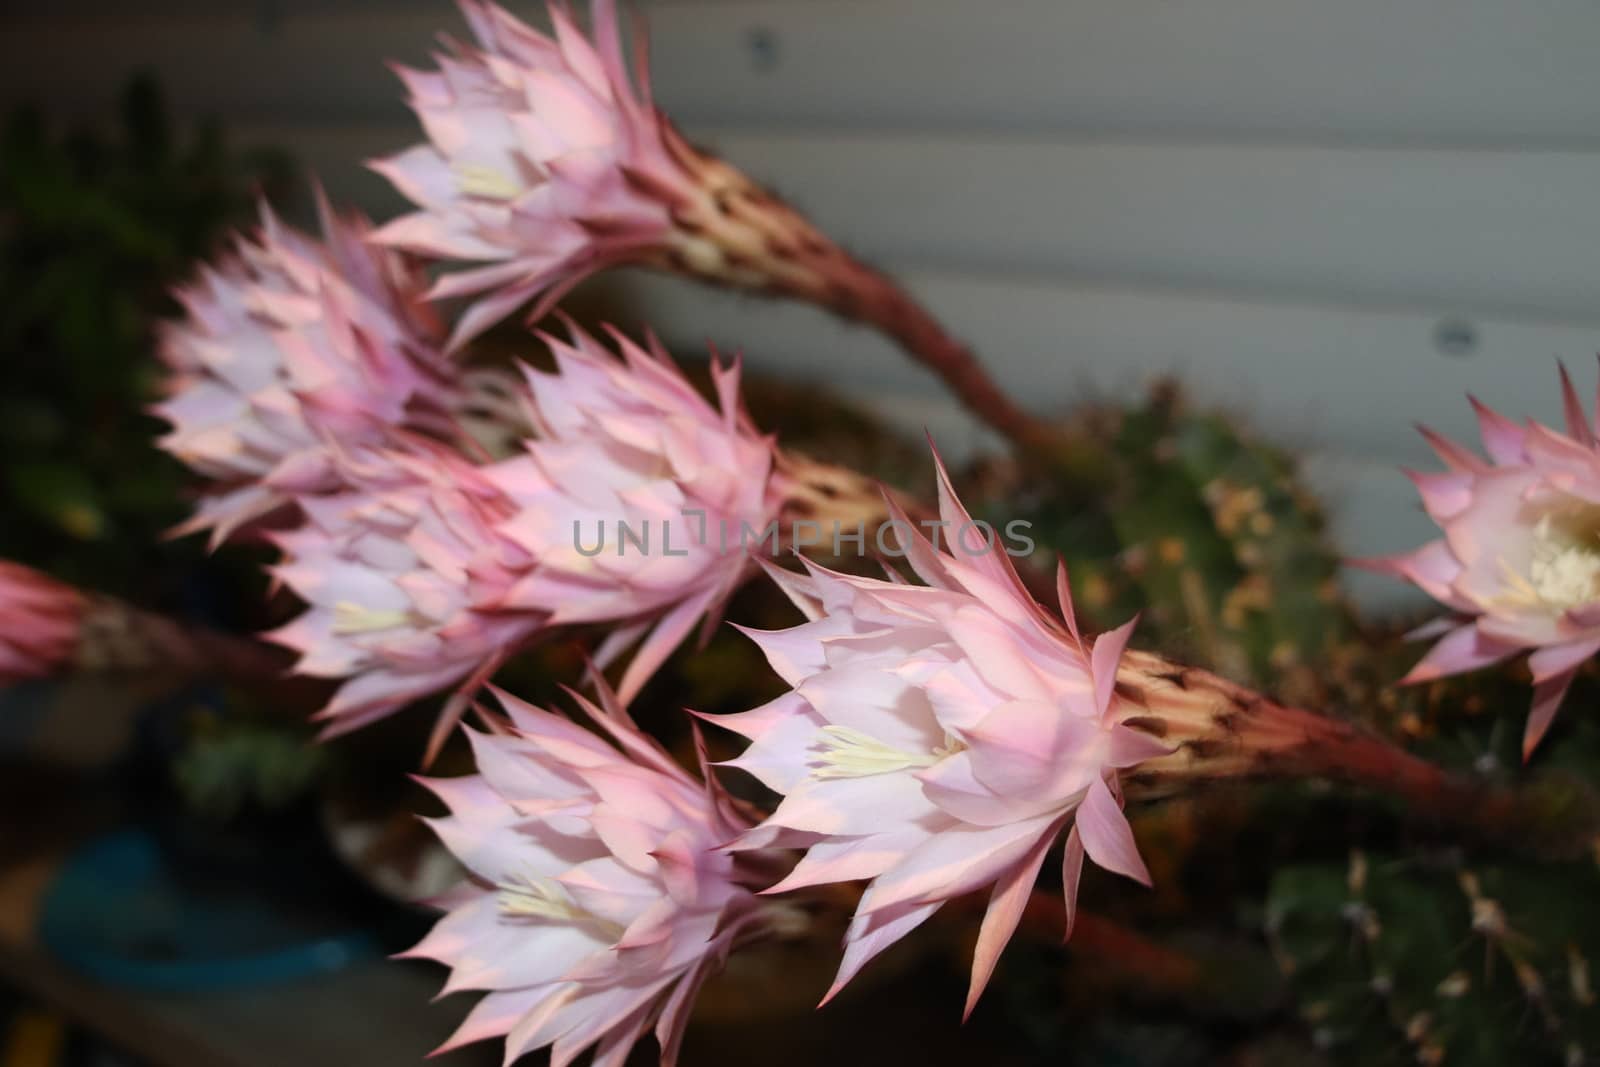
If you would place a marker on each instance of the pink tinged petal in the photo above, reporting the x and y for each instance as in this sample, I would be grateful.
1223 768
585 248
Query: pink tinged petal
853 806
1108 648
1432 628
604 1010
518 955
541 1025
618 641
1106 835
952 785
420 173
849 859
675 1014
1502 438
653 652
614 1048
990 561
455 707
1006 905
1445 494
1547 663
1433 568
1547 697
782 732
429 235
1129 747
1577 422
877 703
799 588
1071 875
925 560
378 693
492 309
475 280
1466 649
1069 612
797 653
954 861
680 871
546 730
580 55
493 1016
1036 750
571 114
996 655
612 717
1451 454
869 935
959 698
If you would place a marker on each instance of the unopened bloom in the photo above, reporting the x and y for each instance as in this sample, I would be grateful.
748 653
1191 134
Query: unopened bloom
41 622
937 740
291 350
600 898
1519 562
545 163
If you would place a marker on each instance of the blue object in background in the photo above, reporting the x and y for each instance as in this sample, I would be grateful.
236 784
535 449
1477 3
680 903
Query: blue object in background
120 912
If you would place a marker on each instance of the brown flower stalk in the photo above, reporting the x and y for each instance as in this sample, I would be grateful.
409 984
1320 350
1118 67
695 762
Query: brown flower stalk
115 637
735 233
1221 730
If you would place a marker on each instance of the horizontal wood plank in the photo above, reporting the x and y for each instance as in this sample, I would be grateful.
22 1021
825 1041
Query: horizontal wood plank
1509 235
1441 71
1350 382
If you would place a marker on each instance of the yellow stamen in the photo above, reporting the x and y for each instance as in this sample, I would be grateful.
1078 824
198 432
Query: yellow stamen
536 897
352 618
849 753
1563 571
478 179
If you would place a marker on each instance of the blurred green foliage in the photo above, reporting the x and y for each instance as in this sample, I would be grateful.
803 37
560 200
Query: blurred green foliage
95 227
238 763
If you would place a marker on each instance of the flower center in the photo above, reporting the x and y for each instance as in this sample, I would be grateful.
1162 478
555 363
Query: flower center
1565 571
1564 563
352 618
535 897
850 753
478 179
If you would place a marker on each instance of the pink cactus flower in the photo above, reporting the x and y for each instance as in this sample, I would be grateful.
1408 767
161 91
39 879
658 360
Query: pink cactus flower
544 164
41 623
600 898
1519 562
637 504
939 739
638 501
541 161
287 346
389 572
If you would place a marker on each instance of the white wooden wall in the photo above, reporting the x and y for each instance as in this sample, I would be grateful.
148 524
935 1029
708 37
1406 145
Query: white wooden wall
1302 206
